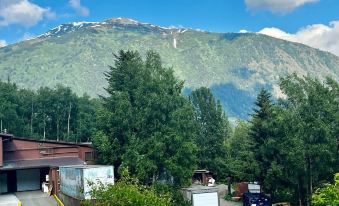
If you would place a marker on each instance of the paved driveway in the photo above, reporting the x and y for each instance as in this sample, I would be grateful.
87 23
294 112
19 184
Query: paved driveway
9 200
36 198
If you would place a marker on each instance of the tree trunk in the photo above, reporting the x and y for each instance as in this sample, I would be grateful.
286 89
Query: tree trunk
57 130
68 120
44 127
300 192
229 189
309 182
1 126
32 112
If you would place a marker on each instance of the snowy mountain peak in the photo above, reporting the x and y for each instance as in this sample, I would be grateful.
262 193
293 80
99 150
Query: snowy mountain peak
122 20
70 27
75 26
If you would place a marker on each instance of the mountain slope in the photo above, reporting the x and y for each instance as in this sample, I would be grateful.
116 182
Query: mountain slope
234 65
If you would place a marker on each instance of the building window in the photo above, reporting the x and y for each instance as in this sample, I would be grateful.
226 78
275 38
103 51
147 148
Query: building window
89 156
46 151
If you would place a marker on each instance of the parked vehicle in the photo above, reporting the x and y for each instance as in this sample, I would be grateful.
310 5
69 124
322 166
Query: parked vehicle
256 199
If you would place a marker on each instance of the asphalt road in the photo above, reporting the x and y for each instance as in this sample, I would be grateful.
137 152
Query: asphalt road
36 198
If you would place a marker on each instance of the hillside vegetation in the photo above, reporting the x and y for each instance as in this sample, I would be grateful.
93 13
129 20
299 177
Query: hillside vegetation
234 65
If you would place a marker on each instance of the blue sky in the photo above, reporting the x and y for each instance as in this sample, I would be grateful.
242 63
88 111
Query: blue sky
294 20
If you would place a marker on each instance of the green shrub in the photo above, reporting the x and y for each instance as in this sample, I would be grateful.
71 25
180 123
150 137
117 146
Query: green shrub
127 192
328 195
177 198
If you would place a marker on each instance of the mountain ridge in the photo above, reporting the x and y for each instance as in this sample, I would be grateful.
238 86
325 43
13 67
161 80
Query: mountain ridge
234 65
125 20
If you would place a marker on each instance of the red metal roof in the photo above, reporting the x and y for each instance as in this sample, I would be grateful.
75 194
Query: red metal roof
39 163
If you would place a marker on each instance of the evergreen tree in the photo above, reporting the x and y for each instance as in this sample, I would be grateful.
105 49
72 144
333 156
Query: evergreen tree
261 131
146 124
214 129
86 118
241 161
315 109
9 101
46 113
265 134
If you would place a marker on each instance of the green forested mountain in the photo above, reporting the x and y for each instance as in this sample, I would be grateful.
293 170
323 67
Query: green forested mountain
234 65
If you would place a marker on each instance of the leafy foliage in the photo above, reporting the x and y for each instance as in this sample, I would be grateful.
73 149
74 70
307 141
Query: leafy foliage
146 124
262 136
328 195
213 128
296 143
47 113
127 192
241 162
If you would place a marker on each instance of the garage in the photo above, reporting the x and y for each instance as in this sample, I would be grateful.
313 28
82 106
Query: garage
28 179
3 183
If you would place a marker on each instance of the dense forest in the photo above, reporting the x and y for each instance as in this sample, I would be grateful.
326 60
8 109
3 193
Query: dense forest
53 114
147 126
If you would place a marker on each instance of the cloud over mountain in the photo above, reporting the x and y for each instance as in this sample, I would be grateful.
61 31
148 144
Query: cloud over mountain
276 6
324 37
81 10
2 43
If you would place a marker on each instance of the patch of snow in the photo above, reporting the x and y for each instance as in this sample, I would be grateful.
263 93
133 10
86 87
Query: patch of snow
182 31
77 23
45 34
161 27
81 23
132 20
174 43
125 20
167 28
59 28
201 30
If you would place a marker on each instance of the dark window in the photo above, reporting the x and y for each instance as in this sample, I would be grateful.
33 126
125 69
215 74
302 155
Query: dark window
89 156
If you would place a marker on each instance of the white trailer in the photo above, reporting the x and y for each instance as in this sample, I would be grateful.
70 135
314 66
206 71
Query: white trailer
74 180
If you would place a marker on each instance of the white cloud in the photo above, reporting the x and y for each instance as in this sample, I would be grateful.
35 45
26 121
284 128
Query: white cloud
22 12
324 37
81 10
243 31
3 43
276 6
